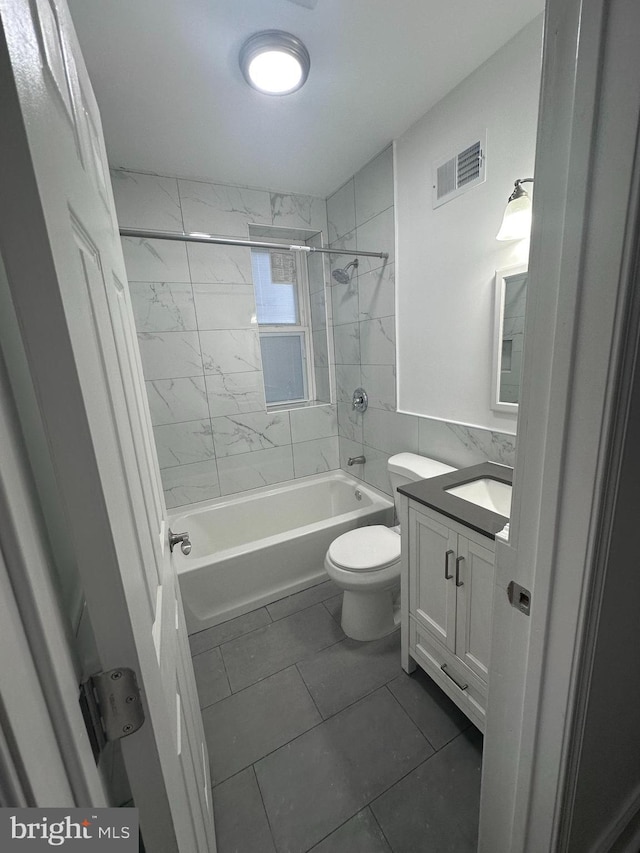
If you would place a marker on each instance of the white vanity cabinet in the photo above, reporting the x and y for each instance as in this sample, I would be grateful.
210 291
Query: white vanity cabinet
447 597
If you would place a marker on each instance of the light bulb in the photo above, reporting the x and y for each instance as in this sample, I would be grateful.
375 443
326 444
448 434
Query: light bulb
274 62
275 72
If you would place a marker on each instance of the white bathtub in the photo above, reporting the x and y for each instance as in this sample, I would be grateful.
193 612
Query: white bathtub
253 549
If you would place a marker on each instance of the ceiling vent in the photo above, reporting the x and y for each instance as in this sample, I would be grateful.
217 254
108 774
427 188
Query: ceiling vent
454 174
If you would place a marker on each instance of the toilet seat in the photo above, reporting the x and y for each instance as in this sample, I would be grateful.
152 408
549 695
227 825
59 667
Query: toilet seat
366 549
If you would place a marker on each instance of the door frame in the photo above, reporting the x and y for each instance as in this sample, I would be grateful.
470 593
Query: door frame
45 753
578 382
567 384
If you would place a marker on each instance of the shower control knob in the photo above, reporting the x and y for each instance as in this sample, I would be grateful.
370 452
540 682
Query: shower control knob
360 400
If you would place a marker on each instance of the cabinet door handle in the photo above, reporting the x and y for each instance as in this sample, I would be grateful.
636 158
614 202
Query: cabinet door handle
443 667
458 581
447 576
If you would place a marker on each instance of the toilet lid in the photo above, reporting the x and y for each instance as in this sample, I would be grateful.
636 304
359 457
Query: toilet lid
365 549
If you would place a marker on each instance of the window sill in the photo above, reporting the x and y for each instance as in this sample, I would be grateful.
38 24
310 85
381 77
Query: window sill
291 407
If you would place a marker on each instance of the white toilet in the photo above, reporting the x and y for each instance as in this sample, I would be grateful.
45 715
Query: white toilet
365 562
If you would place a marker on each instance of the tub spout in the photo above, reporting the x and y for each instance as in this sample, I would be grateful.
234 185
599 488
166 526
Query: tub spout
356 460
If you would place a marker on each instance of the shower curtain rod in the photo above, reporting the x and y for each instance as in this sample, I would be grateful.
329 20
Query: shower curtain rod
197 237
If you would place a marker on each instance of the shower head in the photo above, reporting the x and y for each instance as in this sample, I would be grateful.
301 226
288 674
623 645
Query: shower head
342 276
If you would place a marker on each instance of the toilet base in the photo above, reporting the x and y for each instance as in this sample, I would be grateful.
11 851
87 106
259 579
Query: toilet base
370 615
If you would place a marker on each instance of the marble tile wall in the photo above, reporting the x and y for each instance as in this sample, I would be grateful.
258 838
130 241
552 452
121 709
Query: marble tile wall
200 352
361 215
193 306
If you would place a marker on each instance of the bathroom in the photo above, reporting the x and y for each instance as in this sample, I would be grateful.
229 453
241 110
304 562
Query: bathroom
412 280
195 301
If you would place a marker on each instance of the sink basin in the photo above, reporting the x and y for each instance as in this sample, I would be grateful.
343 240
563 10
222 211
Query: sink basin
485 492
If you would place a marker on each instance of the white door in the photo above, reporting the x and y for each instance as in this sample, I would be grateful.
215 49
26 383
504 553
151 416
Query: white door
61 249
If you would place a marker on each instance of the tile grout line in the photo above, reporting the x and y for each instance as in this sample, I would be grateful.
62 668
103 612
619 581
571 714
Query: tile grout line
271 619
366 221
302 734
324 604
247 633
266 813
344 822
204 373
294 612
275 622
204 707
260 627
219 645
293 663
226 675
324 837
409 772
322 720
368 803
382 832
303 660
408 716
306 687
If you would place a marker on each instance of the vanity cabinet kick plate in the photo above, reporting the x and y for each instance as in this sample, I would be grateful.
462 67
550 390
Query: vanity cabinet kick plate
519 597
111 707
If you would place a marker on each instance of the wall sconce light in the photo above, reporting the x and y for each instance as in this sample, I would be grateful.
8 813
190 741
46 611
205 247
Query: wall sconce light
274 62
516 222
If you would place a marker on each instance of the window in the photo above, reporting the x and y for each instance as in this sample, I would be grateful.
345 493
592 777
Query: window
280 280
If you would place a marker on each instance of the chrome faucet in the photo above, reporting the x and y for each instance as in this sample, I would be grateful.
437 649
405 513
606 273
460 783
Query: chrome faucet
181 539
356 460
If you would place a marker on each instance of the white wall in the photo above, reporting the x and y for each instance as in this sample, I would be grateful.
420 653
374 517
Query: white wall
447 258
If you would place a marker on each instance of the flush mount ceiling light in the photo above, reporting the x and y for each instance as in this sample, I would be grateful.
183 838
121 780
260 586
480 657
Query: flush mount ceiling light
516 222
274 62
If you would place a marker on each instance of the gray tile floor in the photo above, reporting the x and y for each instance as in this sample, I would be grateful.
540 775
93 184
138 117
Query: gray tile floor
320 743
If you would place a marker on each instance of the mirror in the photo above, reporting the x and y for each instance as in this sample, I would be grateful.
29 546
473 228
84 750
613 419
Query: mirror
510 299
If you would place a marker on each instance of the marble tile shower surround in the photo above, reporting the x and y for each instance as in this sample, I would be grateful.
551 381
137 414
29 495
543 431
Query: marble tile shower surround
197 373
361 215
194 308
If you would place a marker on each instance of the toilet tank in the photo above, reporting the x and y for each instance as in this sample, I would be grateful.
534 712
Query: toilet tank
408 467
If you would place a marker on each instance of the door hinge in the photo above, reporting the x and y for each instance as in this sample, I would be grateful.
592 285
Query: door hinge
519 597
111 707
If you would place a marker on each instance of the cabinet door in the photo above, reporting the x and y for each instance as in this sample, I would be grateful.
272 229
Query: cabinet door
431 557
475 602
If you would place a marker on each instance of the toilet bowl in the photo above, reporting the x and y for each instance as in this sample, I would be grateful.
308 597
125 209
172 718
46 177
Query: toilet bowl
365 562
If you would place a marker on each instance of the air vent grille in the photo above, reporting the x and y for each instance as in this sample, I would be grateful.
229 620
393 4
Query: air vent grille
446 178
469 164
455 174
